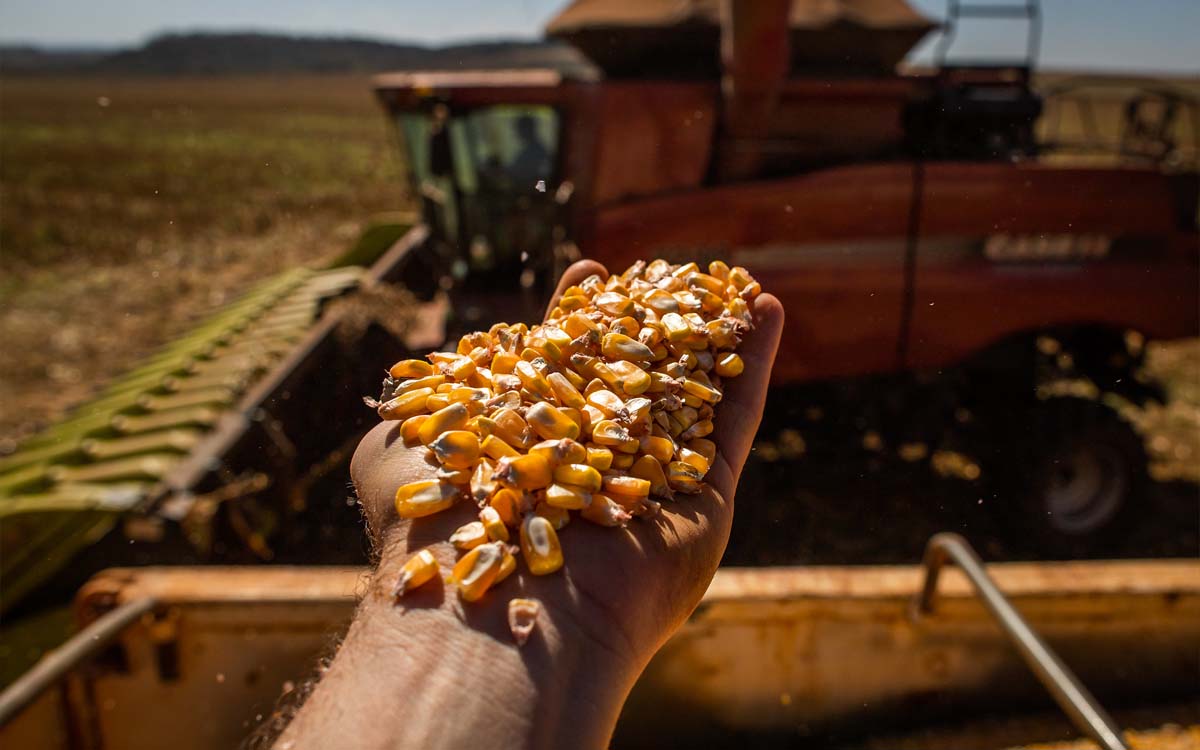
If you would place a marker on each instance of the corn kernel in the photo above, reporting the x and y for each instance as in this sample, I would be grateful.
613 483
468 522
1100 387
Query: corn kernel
522 618
619 346
469 536
410 368
568 497
456 449
599 457
550 423
493 524
533 380
558 517
629 486
566 393
419 570
452 417
404 406
528 472
684 477
605 511
508 566
632 379
623 461
730 365
424 498
477 570
507 503
540 546
648 468
495 447
580 475
409 428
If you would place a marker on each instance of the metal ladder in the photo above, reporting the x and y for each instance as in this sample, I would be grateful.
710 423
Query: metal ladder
1072 697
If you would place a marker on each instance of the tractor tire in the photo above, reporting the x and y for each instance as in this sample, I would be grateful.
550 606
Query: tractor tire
1068 484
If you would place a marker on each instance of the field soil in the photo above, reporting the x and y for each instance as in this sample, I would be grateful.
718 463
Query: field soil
129 207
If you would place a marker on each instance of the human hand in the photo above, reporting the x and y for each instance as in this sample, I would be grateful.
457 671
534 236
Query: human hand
619 596
628 588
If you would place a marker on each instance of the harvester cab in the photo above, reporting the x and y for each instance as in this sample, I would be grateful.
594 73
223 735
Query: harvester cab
487 173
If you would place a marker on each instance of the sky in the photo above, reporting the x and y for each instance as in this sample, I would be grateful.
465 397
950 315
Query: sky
1133 35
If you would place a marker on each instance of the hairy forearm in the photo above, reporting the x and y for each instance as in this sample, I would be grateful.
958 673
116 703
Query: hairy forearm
433 674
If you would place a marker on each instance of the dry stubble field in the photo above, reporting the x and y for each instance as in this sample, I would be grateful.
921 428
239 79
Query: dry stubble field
129 207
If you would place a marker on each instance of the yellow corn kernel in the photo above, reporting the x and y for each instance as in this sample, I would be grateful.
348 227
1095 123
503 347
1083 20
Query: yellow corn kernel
475 573
704 281
719 269
540 546
729 365
404 406
437 402
689 456
623 461
451 417
628 486
661 448
614 304
563 450
637 412
456 449
573 302
550 423
424 498
558 517
495 447
592 417
605 511
429 381
564 392
483 484
620 346
533 380
700 429
632 379
684 477
508 566
704 392
419 570
675 328
599 457
608 432
706 448
459 477
658 382
529 472
493 524
580 475
410 427
568 497
504 362
628 325
606 401
648 468
577 325
512 428
410 368
469 536
508 504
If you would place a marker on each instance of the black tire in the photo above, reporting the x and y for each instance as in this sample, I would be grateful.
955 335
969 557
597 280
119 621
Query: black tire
1067 478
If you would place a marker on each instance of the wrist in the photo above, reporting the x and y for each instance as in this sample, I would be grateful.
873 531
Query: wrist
561 689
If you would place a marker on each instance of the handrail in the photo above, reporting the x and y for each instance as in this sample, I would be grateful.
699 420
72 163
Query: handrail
81 646
1072 697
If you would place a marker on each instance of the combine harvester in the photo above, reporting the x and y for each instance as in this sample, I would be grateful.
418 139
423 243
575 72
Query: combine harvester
911 223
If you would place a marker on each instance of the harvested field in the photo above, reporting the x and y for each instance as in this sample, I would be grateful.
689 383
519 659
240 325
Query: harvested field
132 206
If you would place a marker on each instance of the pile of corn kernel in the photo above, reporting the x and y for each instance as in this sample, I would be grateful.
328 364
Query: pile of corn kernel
603 409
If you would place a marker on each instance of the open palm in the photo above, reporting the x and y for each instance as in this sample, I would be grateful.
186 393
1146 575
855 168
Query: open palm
627 588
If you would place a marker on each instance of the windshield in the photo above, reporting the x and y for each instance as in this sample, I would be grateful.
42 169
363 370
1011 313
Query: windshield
494 203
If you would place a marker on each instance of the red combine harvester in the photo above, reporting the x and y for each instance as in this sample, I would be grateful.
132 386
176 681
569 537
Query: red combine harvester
911 223
921 238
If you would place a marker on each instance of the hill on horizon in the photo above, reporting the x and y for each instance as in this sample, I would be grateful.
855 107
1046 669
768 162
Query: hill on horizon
213 53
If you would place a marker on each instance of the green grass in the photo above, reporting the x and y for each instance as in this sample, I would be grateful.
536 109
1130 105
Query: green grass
130 206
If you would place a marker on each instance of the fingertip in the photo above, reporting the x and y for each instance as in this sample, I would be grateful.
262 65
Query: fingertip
581 269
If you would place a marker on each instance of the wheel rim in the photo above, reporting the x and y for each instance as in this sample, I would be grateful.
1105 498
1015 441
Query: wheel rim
1086 488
